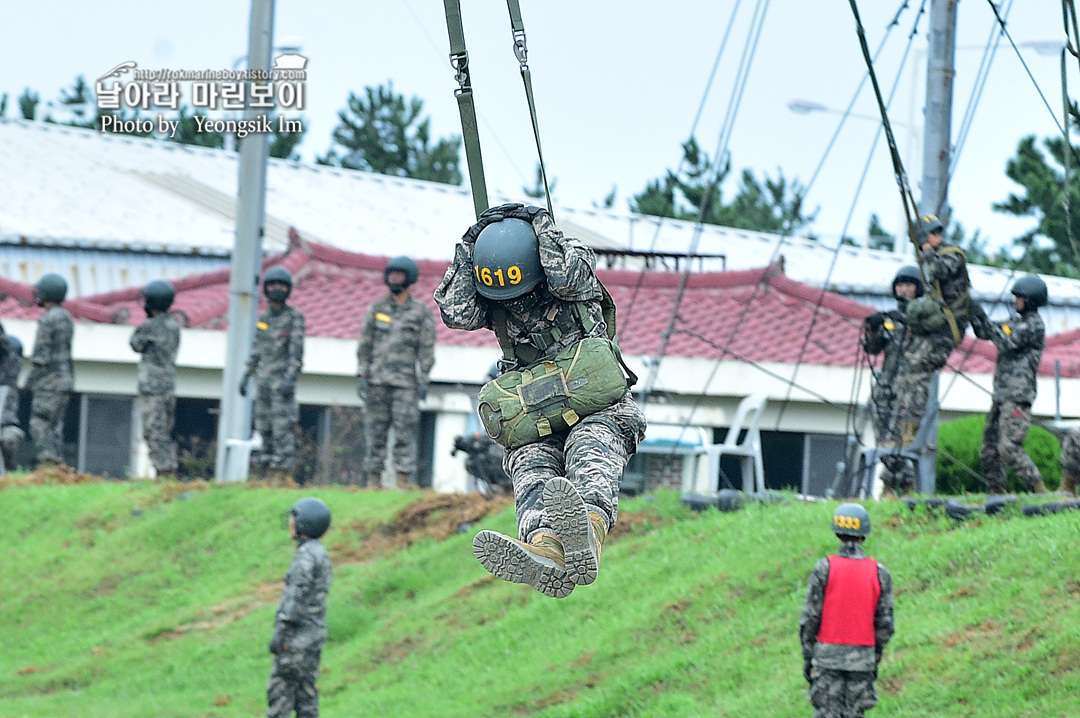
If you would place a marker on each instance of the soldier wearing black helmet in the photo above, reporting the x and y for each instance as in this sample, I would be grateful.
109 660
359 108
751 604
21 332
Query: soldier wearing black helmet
937 322
516 274
158 341
886 333
51 376
277 356
846 621
300 621
11 361
394 360
1020 342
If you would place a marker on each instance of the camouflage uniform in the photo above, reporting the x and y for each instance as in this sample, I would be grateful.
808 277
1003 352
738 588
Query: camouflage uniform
890 338
276 359
11 434
1070 454
926 354
593 453
841 676
395 356
299 633
1020 344
158 340
50 381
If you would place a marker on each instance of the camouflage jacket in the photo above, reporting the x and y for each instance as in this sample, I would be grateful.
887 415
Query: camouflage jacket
300 621
1020 342
158 340
278 352
397 343
947 266
10 366
546 322
52 368
890 339
835 657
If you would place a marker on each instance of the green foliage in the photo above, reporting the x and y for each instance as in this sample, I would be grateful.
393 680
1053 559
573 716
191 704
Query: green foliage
962 438
879 238
134 600
28 102
765 206
1042 179
537 190
379 133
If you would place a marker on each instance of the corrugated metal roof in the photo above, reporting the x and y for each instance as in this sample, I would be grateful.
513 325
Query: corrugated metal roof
80 189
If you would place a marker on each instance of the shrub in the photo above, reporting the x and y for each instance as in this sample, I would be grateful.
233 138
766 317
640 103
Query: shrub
961 440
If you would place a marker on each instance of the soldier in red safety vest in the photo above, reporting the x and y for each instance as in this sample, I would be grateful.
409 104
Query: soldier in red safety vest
846 621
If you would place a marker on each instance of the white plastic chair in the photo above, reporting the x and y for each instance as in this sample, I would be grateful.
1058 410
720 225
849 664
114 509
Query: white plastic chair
748 417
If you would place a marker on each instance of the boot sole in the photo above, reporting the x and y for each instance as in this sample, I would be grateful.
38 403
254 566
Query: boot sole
507 559
570 522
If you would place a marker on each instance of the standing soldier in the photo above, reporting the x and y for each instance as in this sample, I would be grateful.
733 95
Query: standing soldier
52 374
1020 342
846 621
300 622
886 333
277 356
516 274
11 360
394 360
937 323
158 340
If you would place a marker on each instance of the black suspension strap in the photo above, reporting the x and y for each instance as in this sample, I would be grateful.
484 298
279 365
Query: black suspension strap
459 60
521 52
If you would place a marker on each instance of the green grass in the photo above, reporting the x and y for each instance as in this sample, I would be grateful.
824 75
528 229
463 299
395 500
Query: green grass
134 600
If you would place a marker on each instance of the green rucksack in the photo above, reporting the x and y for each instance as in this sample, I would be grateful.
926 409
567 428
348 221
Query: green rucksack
521 407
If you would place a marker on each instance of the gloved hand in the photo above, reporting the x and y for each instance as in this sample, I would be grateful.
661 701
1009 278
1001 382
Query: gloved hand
421 391
361 388
276 644
876 320
243 384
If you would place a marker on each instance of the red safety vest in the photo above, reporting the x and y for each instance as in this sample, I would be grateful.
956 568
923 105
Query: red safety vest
851 599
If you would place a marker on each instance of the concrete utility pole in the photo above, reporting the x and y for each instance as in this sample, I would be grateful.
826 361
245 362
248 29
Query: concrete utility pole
235 419
937 155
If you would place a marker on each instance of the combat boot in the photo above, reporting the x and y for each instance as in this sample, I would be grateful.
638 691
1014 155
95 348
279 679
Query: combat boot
538 563
1068 483
573 524
374 481
405 482
1039 488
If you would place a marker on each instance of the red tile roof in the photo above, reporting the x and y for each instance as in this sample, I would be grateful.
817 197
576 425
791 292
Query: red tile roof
758 315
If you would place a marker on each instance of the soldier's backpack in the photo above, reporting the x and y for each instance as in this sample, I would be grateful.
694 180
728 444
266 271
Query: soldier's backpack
521 407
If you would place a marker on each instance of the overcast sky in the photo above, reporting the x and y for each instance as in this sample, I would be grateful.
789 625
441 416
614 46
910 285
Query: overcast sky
618 84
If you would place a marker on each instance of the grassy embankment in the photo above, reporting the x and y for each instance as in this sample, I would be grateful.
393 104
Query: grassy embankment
142 600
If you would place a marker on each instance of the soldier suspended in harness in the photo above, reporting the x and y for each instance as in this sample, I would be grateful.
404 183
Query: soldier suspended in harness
561 406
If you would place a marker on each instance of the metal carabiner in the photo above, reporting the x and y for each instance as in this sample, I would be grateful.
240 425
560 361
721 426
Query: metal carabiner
521 52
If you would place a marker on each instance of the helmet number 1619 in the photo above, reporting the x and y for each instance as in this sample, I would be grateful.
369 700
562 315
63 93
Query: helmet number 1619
489 278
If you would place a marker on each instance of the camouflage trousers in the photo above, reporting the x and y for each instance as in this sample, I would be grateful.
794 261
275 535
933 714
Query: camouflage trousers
923 357
899 473
47 410
1070 453
292 684
841 694
276 412
387 406
1007 424
591 455
158 416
